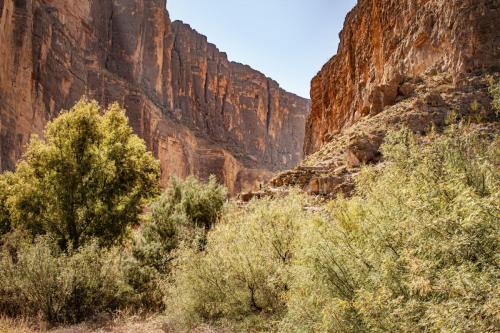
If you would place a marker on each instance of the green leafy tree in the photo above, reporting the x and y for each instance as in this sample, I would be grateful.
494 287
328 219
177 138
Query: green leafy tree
87 179
184 213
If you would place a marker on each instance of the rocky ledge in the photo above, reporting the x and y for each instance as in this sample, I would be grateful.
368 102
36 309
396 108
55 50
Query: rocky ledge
429 102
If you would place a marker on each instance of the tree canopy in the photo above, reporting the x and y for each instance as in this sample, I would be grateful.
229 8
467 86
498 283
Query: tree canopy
86 179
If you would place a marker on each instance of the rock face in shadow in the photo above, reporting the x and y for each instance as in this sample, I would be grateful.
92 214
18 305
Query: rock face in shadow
199 113
231 102
386 42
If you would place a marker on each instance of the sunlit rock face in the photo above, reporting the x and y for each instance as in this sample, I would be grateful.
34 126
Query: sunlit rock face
418 64
386 43
199 113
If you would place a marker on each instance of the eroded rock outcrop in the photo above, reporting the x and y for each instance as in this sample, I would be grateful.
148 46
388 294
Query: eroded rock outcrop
435 104
386 43
199 113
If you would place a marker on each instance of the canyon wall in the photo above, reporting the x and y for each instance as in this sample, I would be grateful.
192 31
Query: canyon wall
198 112
231 102
386 42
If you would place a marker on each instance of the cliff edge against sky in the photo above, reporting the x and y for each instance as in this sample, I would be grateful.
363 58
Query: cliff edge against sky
198 112
386 41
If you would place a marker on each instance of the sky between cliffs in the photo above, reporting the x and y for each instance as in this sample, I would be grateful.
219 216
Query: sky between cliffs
288 40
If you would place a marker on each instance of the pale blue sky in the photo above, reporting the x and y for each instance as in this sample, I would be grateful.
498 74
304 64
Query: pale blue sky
288 40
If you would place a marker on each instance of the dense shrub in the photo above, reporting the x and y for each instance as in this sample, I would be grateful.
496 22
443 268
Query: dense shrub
182 215
40 280
242 276
415 251
495 94
87 179
198 204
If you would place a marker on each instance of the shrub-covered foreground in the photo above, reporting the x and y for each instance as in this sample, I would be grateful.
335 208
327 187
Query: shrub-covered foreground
70 245
39 280
415 251
244 272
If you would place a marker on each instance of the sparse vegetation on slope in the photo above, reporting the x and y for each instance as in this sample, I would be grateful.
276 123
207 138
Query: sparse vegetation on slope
435 102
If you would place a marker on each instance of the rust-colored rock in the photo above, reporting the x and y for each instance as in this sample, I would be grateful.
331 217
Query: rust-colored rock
232 103
332 169
199 113
363 149
385 42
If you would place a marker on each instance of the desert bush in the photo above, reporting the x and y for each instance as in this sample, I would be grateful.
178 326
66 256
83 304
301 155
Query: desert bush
87 179
242 275
38 280
198 205
183 214
495 94
415 251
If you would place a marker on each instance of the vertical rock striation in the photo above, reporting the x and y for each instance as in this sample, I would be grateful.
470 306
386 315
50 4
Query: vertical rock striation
199 113
386 41
230 102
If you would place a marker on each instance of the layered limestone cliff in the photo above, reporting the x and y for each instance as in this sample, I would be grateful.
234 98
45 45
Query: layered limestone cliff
199 113
386 42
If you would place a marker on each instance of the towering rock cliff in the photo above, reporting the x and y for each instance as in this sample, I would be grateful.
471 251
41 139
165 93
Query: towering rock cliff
384 42
412 63
231 102
199 113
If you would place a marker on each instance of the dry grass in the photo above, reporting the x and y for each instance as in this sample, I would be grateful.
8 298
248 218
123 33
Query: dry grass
8 325
118 324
